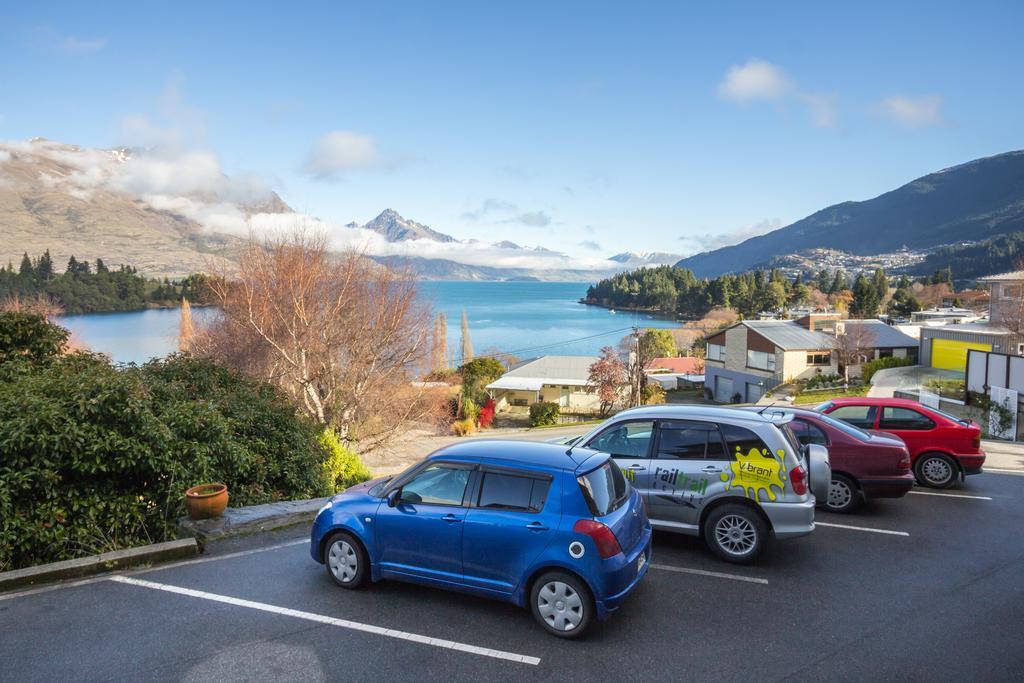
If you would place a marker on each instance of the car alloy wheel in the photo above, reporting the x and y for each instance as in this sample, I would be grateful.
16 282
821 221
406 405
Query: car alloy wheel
736 535
842 495
937 471
560 606
343 561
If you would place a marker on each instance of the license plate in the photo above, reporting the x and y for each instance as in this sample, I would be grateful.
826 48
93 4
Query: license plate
641 561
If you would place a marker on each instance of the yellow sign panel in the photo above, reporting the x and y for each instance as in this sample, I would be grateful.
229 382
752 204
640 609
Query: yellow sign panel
950 354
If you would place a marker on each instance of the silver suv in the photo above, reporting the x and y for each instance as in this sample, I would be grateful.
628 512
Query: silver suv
737 478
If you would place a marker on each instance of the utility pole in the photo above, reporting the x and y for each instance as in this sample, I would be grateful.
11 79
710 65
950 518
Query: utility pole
637 370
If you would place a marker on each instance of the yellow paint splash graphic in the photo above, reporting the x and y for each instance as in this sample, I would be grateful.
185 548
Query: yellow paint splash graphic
755 472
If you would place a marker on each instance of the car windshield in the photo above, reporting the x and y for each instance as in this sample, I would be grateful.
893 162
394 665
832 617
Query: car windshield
822 407
605 489
846 427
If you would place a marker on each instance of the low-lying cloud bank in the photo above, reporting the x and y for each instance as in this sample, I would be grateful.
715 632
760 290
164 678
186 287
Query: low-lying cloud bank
192 184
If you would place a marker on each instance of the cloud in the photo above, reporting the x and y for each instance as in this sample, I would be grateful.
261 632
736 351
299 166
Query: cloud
761 81
488 207
500 211
912 112
754 81
77 46
340 152
175 126
534 219
590 244
709 242
48 38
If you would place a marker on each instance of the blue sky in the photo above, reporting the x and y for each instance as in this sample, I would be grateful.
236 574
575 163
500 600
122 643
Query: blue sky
587 127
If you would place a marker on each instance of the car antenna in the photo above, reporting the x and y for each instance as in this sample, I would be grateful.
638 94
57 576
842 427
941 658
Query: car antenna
770 405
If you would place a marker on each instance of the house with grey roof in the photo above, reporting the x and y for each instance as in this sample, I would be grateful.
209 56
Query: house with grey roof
555 379
749 358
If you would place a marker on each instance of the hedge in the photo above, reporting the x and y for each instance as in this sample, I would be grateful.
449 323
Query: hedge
94 458
868 370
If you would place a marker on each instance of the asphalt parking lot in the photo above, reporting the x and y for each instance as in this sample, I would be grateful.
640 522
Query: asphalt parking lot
927 587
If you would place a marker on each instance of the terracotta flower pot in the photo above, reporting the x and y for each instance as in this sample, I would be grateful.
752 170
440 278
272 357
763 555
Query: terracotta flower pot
206 500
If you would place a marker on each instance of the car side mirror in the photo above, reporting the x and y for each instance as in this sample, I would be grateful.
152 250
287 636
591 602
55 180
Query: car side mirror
394 495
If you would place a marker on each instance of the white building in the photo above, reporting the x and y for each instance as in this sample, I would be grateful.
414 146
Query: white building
553 379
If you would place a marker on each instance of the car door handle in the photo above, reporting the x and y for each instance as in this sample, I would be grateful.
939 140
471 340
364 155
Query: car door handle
711 469
634 466
537 526
450 518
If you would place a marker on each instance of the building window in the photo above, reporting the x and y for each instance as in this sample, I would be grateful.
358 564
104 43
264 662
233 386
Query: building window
1011 291
716 352
885 353
819 358
760 360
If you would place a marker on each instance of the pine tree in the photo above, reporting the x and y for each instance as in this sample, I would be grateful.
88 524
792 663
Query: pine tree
838 283
824 281
27 269
44 267
881 283
467 343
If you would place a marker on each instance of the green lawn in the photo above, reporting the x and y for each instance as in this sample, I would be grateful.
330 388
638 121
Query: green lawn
814 397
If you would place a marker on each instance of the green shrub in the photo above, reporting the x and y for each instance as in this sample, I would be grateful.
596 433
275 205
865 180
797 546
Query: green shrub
654 394
477 374
27 336
94 458
868 370
470 410
342 468
544 413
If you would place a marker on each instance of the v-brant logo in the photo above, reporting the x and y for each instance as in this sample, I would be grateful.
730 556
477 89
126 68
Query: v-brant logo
757 471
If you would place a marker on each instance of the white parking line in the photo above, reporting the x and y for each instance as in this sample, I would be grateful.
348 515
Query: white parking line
702 572
862 528
949 495
342 623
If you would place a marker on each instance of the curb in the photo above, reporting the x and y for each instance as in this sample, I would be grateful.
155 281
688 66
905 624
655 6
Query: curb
96 564
253 519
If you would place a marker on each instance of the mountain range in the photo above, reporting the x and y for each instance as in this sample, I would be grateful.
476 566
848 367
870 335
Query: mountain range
171 214
970 202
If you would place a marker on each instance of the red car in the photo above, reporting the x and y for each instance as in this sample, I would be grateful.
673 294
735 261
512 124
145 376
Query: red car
864 465
943 448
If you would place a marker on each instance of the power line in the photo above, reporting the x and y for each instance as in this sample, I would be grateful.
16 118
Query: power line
458 361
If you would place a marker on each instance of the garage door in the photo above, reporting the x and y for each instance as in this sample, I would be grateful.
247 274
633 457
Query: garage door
723 389
950 354
754 392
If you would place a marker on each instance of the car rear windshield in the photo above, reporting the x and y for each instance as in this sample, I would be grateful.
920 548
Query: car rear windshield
846 427
604 489
943 413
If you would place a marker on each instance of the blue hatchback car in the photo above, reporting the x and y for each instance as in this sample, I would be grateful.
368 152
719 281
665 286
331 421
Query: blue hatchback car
564 533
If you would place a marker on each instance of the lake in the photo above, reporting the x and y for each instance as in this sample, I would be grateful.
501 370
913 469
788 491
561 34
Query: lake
524 318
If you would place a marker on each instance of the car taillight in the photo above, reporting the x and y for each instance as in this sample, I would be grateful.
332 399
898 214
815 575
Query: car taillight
904 463
798 478
976 443
604 539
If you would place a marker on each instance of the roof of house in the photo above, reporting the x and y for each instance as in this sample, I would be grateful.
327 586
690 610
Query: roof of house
684 365
884 336
789 336
531 375
1000 277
